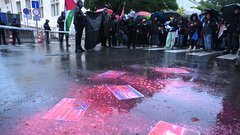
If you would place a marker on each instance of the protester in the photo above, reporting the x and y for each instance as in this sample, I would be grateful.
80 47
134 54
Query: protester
61 21
171 37
2 33
15 32
233 28
155 30
194 31
181 32
112 40
131 33
79 22
142 32
222 36
208 30
105 33
47 29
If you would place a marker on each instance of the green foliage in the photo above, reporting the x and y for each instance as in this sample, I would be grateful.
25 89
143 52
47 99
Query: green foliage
181 11
215 4
137 5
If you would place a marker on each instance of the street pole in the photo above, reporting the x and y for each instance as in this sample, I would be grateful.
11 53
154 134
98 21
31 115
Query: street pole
27 22
11 6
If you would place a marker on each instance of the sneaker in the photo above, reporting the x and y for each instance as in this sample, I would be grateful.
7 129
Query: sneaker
234 52
227 52
79 51
194 48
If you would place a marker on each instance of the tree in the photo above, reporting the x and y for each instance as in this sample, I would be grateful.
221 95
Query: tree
181 11
137 5
215 4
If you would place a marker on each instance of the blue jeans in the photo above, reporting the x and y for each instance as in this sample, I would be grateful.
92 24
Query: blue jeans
155 39
180 40
208 42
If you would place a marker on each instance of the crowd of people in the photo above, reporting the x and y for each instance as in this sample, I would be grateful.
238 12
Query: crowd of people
205 31
208 30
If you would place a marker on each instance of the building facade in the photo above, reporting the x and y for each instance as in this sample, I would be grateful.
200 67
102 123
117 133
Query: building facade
49 9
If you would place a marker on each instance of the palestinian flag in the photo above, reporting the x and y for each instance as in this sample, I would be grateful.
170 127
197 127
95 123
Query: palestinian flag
70 6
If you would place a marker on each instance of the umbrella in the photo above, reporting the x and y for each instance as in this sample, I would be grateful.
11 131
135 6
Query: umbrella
227 11
143 13
109 11
160 16
169 14
214 13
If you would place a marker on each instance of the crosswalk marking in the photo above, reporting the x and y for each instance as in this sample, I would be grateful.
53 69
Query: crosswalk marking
119 47
155 49
181 51
205 53
228 57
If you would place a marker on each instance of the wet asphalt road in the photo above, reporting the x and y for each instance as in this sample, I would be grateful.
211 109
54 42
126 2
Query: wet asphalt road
34 78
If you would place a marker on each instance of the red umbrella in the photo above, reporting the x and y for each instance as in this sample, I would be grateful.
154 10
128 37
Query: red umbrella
143 13
109 11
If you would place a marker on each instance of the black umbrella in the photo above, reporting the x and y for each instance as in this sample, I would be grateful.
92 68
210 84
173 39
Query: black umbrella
227 11
214 13
160 16
169 14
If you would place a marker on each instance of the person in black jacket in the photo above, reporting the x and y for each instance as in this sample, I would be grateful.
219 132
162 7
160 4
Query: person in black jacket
155 31
113 29
233 31
47 28
181 32
131 32
79 22
209 26
2 33
61 21
15 32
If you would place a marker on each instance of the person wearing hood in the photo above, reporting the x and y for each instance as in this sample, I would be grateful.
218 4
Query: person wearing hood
233 28
15 32
47 29
61 22
79 23
2 33
194 26
209 26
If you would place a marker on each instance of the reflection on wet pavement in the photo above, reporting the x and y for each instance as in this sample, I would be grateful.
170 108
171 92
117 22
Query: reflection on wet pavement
201 94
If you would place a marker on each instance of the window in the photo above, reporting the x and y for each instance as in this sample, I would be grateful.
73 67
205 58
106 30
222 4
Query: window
41 8
28 4
6 1
55 7
19 9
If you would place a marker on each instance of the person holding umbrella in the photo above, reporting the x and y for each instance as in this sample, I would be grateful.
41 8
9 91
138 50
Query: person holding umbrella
194 31
181 32
233 28
155 28
209 26
171 37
